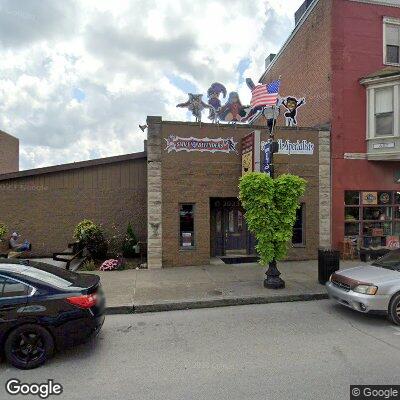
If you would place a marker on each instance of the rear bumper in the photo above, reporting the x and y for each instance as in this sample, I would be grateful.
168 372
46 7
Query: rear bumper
78 331
357 301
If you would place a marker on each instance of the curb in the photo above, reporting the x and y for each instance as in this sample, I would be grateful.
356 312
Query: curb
187 305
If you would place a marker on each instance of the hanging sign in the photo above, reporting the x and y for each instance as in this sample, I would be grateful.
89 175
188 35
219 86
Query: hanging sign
267 157
211 145
251 152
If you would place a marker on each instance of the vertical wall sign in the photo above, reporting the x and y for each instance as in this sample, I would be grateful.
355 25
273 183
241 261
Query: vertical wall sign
266 167
251 152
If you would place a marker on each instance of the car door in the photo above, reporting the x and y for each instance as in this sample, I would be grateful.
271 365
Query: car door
13 297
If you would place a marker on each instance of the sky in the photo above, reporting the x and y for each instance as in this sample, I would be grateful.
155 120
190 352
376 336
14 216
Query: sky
78 77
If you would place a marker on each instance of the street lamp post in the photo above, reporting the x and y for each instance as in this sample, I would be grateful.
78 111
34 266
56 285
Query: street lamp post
273 279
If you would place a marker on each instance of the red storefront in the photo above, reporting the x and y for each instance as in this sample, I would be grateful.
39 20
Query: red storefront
347 58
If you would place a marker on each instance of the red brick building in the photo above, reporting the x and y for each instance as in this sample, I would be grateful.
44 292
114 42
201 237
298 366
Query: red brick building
343 58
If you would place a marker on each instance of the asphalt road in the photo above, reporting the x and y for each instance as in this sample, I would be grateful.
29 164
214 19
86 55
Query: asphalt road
311 350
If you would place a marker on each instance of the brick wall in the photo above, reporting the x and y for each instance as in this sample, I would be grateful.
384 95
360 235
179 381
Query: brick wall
194 177
9 153
45 208
305 68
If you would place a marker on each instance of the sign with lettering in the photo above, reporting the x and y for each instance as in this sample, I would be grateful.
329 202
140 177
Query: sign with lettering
285 146
248 153
387 145
210 145
251 152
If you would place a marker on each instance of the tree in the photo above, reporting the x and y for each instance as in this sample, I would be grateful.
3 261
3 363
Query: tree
270 211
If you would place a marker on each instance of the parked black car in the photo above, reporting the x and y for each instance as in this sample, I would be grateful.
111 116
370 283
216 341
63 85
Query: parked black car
44 308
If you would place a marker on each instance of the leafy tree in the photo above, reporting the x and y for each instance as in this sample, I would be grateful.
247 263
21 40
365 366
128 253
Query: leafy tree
270 206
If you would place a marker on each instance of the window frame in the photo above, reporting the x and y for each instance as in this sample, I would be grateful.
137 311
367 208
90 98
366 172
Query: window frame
371 114
30 292
187 248
303 227
389 21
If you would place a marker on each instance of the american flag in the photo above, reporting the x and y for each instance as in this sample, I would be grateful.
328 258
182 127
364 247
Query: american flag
265 95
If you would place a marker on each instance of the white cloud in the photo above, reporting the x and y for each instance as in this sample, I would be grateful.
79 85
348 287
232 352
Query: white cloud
125 59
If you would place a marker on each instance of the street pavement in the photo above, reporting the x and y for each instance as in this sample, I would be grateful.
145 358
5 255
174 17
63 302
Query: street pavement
302 350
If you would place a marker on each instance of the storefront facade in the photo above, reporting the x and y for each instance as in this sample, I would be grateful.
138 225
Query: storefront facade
193 175
347 59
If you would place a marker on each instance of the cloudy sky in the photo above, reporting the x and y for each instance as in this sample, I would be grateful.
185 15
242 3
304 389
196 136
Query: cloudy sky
77 77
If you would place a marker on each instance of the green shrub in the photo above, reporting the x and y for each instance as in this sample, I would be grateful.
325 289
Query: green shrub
91 235
271 206
3 230
88 265
130 242
81 229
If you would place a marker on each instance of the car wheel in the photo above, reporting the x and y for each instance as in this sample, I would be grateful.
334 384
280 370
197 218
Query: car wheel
394 309
29 346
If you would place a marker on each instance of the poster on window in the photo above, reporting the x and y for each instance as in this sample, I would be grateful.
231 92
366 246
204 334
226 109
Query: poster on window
370 198
186 239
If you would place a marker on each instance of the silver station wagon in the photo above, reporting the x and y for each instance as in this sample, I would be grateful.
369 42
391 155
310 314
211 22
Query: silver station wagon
371 288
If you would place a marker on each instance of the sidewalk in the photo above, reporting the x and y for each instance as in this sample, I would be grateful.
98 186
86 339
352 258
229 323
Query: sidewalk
208 286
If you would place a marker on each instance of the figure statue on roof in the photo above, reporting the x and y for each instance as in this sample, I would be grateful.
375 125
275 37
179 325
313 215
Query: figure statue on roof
195 104
213 93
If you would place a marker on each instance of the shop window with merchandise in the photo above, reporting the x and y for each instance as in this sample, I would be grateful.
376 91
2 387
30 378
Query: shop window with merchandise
372 218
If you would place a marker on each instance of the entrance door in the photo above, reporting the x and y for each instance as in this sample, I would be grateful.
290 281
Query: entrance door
235 231
229 233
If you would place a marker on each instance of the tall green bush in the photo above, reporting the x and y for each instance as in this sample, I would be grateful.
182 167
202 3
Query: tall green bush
91 235
270 211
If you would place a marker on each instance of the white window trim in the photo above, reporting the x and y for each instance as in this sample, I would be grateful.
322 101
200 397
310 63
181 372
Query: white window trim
388 21
370 134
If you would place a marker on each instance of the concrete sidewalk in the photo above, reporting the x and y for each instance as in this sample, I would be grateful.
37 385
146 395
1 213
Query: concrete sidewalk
208 286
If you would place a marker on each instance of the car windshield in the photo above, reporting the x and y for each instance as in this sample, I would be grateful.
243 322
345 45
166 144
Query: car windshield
389 261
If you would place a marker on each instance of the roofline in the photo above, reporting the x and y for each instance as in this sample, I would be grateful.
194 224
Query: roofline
72 166
10 136
304 17
289 39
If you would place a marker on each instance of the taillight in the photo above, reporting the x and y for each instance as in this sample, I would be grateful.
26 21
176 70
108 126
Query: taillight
83 301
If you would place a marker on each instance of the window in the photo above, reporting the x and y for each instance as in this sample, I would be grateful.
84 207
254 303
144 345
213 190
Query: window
11 288
186 226
383 119
392 42
298 229
384 116
374 220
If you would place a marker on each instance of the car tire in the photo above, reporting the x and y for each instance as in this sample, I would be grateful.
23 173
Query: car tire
394 309
29 346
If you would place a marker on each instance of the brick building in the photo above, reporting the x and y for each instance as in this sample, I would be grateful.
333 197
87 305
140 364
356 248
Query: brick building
343 57
193 207
180 195
9 153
